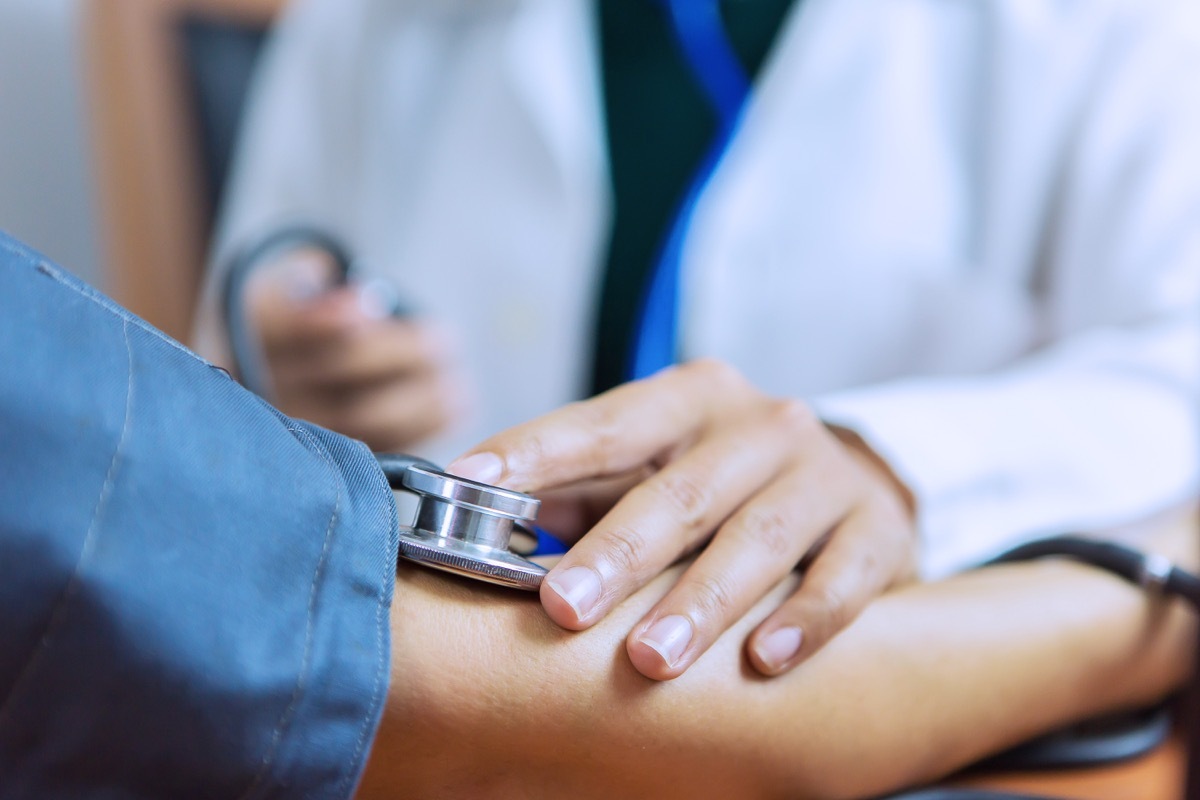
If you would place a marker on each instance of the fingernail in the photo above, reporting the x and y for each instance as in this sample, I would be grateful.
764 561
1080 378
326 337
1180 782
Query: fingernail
579 587
669 637
778 647
481 467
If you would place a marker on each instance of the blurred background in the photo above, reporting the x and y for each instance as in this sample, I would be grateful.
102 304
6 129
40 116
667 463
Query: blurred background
115 134
47 191
990 185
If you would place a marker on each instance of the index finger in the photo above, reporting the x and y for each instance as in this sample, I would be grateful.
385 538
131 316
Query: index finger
607 435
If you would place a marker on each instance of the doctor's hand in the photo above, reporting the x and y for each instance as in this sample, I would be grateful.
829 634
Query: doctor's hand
335 356
695 458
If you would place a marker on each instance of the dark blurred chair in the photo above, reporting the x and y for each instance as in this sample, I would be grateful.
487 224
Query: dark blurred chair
166 84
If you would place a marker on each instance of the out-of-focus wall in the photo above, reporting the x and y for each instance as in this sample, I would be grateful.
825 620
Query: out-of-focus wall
46 192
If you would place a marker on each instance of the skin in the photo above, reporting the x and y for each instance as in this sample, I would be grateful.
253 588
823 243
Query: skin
696 459
337 358
490 699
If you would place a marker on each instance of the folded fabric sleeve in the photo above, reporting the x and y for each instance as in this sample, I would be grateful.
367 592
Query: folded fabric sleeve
194 589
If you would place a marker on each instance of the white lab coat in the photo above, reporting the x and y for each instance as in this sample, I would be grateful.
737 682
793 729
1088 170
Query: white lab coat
969 230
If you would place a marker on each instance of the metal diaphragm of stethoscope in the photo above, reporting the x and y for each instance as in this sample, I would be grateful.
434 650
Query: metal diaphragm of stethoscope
460 526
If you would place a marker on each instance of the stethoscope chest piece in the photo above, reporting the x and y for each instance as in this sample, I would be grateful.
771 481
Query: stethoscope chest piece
465 527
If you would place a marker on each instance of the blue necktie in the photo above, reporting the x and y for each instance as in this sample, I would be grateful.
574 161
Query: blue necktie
710 55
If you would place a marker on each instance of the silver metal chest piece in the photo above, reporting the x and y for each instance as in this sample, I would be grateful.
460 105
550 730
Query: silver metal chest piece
465 527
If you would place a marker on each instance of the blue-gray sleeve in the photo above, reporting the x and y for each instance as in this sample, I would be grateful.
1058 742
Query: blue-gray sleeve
194 589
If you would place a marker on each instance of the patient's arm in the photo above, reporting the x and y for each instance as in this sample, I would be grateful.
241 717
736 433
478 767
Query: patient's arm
489 698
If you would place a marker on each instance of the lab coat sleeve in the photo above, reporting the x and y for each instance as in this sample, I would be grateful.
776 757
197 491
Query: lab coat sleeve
194 589
1088 434
1100 424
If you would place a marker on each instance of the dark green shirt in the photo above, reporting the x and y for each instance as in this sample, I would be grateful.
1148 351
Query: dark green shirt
659 126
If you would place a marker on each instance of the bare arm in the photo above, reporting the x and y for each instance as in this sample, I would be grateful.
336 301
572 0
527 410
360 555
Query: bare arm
489 698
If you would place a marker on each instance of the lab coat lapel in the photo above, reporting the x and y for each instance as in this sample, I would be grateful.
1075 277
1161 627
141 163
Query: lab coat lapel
553 60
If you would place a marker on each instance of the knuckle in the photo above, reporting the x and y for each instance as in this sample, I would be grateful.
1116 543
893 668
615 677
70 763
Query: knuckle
713 597
531 449
834 607
715 372
604 431
626 550
793 416
870 565
769 530
687 497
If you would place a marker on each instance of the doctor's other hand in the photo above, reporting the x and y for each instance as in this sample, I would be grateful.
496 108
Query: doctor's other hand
336 357
691 459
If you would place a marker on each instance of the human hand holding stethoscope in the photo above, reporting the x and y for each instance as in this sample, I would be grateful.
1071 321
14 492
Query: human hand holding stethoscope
696 458
334 352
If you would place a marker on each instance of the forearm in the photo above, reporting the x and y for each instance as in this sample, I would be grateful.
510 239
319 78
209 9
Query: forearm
488 696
